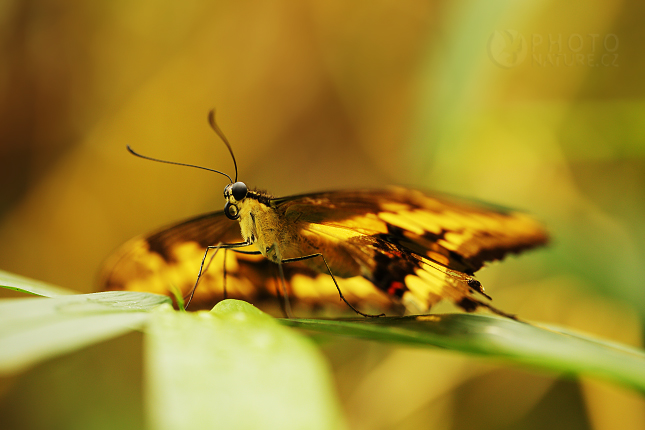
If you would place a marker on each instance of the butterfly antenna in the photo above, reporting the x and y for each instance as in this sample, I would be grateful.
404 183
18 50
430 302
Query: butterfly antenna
132 151
216 129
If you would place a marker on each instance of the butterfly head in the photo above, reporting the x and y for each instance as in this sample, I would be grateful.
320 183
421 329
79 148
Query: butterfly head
234 193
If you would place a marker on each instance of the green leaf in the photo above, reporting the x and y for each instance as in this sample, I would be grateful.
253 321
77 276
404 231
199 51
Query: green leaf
34 329
546 348
235 368
15 282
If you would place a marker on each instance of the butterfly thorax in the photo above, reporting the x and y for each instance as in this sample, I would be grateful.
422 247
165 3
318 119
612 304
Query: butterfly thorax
279 236
260 224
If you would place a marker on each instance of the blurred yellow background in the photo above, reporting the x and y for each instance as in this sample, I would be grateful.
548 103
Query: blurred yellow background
533 105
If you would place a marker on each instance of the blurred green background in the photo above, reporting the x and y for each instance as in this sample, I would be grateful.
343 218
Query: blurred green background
534 105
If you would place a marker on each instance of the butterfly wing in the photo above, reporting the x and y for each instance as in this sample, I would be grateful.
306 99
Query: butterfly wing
415 247
169 259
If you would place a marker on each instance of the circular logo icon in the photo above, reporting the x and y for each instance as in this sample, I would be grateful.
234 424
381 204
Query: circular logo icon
507 48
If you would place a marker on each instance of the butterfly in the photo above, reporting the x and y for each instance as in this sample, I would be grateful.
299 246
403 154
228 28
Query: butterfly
395 250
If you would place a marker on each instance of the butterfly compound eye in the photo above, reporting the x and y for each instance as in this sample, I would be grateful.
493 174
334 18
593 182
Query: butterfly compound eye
239 190
231 211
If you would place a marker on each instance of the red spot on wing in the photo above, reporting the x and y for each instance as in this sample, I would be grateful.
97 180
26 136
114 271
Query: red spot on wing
396 289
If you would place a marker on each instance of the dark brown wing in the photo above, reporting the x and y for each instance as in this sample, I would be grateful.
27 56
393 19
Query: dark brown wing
413 246
470 233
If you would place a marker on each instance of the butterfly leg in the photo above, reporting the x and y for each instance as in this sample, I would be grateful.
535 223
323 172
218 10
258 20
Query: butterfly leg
286 307
223 275
307 257
224 264
497 311
201 266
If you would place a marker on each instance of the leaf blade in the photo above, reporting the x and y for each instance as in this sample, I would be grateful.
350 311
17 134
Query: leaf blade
543 348
235 368
14 282
36 329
